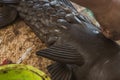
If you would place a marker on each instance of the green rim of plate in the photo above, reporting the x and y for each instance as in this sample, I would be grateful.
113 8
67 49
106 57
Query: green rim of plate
21 72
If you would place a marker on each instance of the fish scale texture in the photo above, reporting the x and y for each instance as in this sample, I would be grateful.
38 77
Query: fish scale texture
44 17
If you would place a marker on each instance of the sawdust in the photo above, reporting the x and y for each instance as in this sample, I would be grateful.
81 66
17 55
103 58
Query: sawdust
15 40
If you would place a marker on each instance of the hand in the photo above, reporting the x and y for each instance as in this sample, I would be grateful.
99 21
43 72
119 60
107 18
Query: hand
107 12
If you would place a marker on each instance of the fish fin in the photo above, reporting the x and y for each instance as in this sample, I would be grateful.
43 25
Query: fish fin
63 54
60 71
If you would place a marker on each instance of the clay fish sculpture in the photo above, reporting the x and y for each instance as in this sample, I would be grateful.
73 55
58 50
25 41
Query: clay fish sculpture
83 53
7 13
